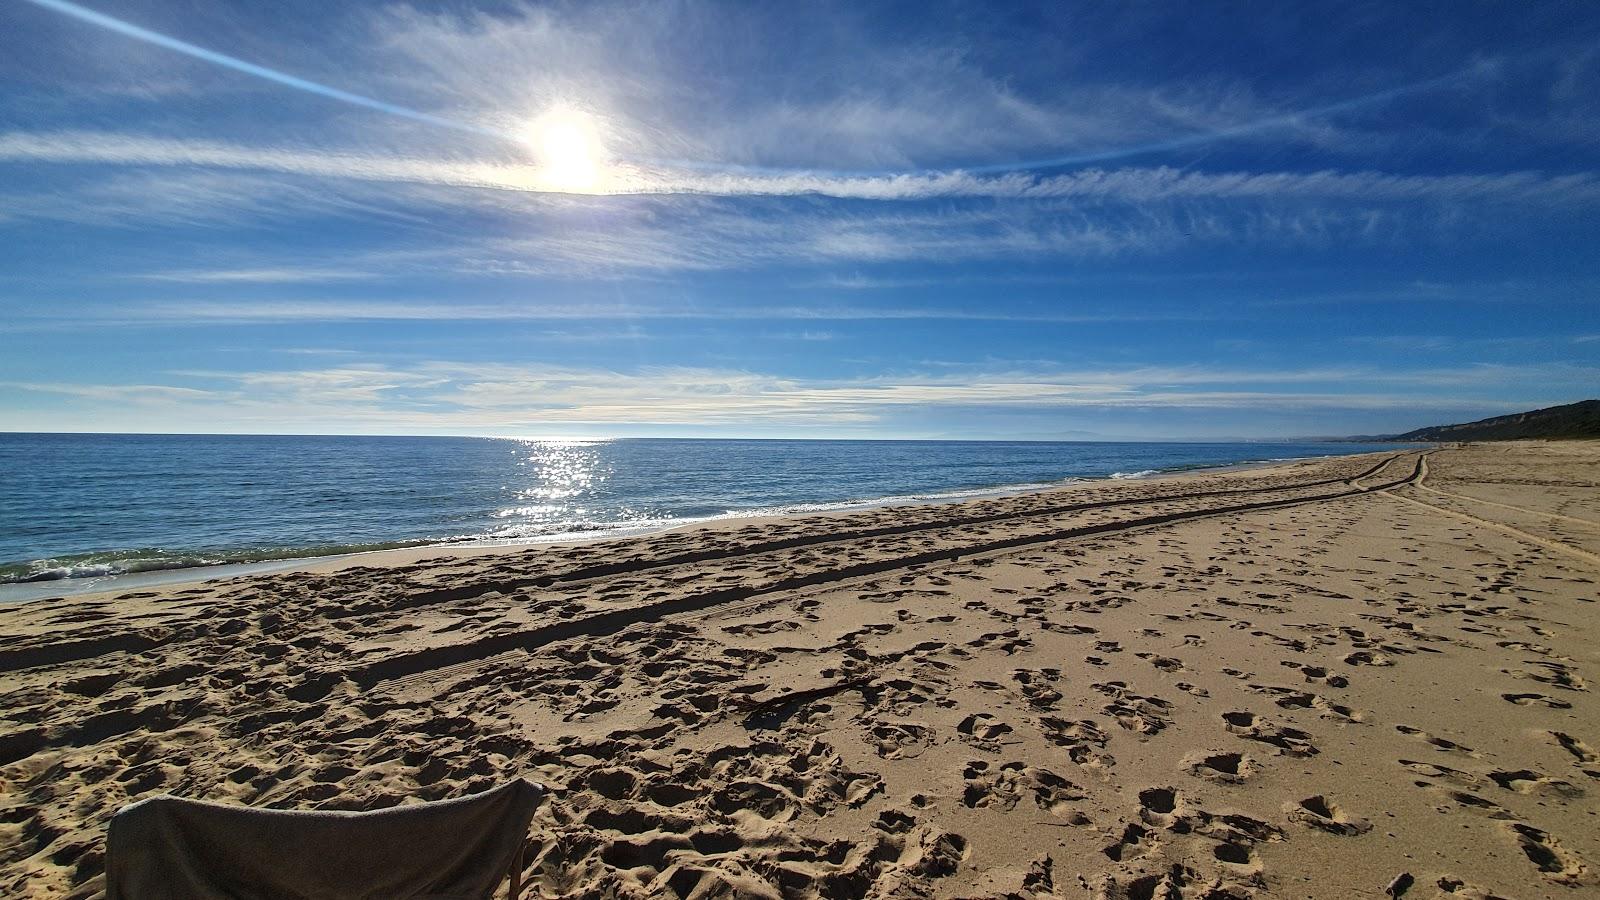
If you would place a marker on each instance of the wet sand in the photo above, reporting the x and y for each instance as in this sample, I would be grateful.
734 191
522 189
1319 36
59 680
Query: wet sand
1298 681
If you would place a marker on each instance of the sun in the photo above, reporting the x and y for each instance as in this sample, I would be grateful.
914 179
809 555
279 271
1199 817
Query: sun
571 156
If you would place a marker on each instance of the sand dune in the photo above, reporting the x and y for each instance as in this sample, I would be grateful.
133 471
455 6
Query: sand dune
1331 678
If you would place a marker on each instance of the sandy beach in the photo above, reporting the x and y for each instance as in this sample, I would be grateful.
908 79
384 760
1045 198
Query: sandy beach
1330 678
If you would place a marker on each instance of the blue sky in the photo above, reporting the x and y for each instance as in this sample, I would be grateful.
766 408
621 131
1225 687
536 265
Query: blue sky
1069 220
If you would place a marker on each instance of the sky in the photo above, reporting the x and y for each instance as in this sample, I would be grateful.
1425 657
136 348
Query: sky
1069 220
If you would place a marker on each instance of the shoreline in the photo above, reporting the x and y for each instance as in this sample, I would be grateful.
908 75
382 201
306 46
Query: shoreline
22 592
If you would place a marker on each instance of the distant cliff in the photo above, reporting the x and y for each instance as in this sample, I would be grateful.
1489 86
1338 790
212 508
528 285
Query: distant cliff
1574 420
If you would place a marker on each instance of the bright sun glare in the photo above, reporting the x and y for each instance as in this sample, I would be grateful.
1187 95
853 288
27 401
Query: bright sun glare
571 156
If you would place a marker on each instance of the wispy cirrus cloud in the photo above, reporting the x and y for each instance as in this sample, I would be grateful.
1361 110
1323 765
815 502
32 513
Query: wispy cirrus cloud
283 275
496 397
662 222
1128 185
164 314
117 393
1077 215
539 236
854 101
933 99
176 196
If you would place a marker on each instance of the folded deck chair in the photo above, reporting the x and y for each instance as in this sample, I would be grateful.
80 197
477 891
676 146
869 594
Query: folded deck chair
169 848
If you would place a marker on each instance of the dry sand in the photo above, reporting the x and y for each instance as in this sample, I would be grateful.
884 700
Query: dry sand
1300 681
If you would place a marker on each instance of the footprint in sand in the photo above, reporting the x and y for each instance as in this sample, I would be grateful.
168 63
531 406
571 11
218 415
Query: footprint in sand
1036 689
1135 840
1536 700
1527 781
983 728
1553 860
1554 674
1159 806
899 740
1289 698
1317 674
1227 768
1288 741
1438 743
1526 647
1321 813
1581 752
1164 663
1083 740
1145 715
1465 799
1367 658
1005 786
1443 773
894 821
1236 855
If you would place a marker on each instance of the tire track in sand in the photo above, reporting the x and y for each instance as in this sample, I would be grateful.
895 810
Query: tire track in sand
631 567
1558 546
406 666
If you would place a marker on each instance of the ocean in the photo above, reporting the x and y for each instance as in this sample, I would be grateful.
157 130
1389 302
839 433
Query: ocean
77 509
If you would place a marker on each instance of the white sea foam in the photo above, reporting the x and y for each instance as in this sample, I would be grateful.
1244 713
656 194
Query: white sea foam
552 532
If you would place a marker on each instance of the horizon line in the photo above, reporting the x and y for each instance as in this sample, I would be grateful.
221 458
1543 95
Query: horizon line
1330 439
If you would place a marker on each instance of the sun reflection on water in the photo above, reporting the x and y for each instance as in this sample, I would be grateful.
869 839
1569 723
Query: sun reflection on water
559 490
560 470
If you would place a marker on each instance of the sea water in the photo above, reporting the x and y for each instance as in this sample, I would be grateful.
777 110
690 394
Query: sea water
77 508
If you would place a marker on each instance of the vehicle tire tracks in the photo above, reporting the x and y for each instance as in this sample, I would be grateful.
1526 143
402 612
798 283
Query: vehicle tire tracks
631 567
1586 523
414 663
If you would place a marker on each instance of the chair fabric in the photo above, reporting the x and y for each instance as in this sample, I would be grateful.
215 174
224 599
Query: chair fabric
171 848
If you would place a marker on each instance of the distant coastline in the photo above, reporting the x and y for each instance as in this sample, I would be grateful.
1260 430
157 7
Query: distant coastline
1571 421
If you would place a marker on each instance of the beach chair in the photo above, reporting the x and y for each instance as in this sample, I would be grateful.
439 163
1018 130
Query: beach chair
170 848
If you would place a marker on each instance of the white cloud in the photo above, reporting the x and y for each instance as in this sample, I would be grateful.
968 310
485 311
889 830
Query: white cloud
117 393
254 276
140 197
685 221
852 100
201 312
1127 185
493 397
695 82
